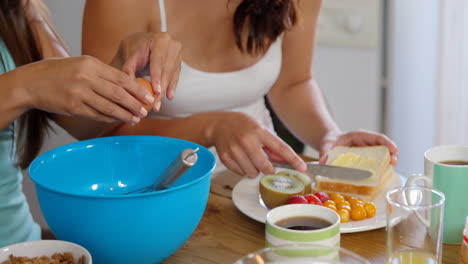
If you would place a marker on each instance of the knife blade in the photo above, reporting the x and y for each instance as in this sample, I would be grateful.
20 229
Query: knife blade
337 172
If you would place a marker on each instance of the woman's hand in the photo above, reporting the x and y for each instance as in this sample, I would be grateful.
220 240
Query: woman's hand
245 147
83 86
160 52
357 138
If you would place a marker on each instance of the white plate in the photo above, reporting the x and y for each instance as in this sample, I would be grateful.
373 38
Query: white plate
247 199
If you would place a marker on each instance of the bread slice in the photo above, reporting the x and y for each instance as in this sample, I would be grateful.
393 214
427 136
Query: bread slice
376 159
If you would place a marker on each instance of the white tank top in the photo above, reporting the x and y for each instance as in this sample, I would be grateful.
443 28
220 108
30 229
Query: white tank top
240 91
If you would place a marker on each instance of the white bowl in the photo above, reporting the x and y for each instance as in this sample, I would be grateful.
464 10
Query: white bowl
44 248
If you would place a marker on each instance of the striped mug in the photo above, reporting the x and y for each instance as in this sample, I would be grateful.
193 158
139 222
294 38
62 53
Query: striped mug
280 227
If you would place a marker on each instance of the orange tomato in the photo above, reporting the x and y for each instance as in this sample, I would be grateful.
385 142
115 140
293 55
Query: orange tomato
337 198
147 85
357 203
331 206
358 213
329 202
352 199
344 215
343 205
370 208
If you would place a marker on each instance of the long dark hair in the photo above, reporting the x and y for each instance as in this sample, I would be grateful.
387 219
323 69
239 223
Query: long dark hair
264 20
16 32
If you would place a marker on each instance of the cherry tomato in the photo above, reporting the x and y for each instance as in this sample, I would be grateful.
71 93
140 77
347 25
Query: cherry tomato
344 215
358 213
357 203
337 198
371 210
312 199
343 205
331 206
329 202
297 199
352 199
323 196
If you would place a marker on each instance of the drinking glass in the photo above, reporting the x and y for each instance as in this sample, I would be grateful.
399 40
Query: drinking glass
302 254
414 225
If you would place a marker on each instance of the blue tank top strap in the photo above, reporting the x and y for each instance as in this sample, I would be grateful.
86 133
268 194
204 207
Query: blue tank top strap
7 62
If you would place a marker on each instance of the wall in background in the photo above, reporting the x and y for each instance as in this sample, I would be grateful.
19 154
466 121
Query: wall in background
67 15
452 107
348 63
413 38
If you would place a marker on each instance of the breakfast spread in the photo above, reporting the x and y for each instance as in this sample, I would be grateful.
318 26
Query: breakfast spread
57 258
351 199
350 208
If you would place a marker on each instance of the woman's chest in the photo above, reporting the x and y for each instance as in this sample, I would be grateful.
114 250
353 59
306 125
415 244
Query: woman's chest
205 29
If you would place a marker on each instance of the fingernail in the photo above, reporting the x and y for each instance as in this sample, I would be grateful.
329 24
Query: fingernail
135 120
170 95
303 166
149 99
158 106
159 88
143 112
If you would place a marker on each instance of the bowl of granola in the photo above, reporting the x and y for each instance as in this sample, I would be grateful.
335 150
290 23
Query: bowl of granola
45 252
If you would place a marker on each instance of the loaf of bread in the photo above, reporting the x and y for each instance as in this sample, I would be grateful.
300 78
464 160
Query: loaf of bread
376 159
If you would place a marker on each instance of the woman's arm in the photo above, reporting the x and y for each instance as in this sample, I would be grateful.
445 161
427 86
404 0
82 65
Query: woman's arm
77 87
13 101
297 99
106 94
102 33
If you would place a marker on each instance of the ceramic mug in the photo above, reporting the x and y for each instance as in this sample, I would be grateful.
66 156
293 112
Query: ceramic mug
279 235
452 180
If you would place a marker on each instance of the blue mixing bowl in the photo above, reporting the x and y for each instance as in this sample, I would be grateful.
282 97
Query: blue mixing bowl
80 190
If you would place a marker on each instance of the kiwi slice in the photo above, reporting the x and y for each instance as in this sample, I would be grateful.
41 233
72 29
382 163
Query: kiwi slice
304 178
275 190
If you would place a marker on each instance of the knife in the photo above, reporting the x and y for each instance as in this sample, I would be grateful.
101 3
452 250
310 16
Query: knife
337 172
334 172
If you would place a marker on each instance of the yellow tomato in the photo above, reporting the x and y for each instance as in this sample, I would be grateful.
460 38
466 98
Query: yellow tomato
343 205
358 213
356 203
337 198
331 206
371 210
352 199
344 215
329 202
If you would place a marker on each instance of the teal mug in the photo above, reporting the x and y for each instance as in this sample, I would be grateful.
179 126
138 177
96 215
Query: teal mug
446 169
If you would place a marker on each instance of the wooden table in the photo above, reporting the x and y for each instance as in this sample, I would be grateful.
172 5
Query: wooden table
225 234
